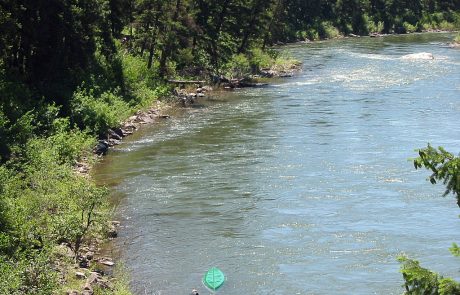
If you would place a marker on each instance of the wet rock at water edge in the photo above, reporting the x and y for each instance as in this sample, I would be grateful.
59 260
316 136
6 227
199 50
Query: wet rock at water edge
114 135
119 132
107 262
112 232
101 148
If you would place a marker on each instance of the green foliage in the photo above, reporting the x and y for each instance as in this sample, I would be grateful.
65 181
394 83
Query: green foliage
457 38
447 26
260 59
238 66
373 26
444 166
98 114
418 280
31 273
448 286
409 28
448 21
326 30
312 34
43 202
256 60
455 250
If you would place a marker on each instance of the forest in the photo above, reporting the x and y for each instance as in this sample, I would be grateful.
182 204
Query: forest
69 70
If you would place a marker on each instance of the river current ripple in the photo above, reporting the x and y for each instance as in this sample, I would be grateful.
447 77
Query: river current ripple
300 187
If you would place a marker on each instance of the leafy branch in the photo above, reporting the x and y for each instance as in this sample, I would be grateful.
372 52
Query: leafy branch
445 167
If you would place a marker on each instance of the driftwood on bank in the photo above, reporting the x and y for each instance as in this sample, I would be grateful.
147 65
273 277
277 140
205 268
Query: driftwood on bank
187 81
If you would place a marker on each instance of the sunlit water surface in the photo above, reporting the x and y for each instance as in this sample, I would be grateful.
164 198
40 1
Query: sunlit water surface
300 187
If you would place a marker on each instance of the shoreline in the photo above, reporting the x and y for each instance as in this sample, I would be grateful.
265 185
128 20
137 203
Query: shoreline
370 35
182 98
99 251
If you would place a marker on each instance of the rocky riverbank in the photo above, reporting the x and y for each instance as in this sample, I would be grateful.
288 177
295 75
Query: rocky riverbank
92 269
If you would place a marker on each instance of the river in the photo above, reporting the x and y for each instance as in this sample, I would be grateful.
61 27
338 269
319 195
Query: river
300 187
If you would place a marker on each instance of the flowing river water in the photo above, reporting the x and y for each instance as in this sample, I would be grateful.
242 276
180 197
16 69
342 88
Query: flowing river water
300 187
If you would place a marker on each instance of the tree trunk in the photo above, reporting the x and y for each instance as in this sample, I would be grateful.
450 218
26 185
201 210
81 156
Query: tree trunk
151 51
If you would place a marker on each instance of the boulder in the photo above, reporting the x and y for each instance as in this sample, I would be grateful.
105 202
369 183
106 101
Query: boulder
114 135
93 278
206 88
112 231
83 263
107 262
113 142
119 132
80 275
101 148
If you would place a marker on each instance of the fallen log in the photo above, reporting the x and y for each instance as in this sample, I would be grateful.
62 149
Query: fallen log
186 81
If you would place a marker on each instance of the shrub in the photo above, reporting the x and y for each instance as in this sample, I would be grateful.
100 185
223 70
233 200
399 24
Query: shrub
260 59
312 34
457 38
375 27
238 66
409 28
419 280
446 26
98 114
327 31
68 145
31 273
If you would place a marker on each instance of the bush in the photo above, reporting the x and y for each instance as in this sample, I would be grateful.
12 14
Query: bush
68 145
440 21
238 66
409 28
418 280
312 34
43 202
260 59
142 86
97 114
375 27
446 26
457 38
327 31
31 274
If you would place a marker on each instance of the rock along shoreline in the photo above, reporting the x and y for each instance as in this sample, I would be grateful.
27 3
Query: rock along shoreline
92 268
